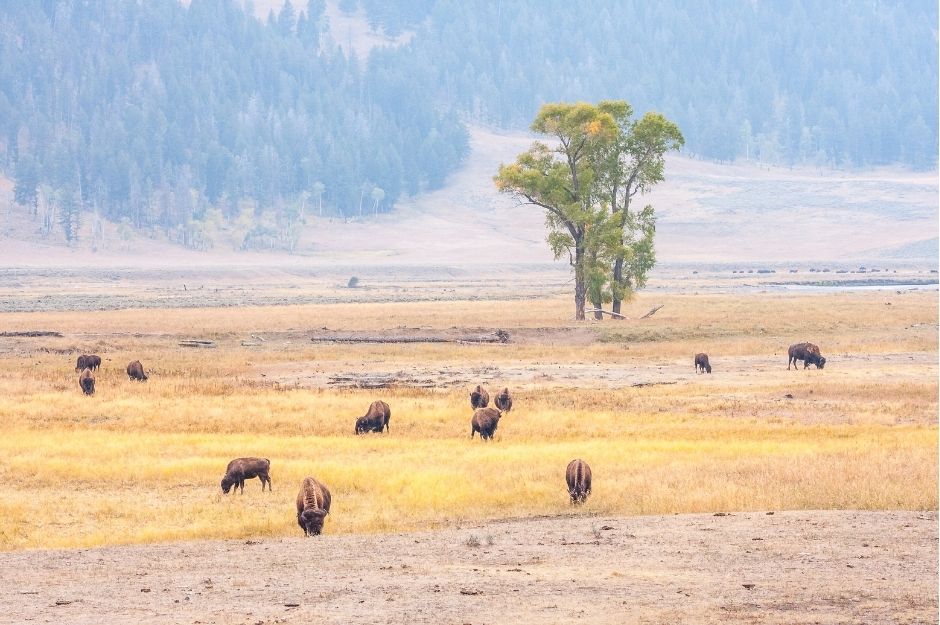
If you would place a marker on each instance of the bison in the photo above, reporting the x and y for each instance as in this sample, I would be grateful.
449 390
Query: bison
93 362
485 421
808 353
87 381
701 364
241 469
479 398
375 420
135 371
578 476
82 363
313 504
503 400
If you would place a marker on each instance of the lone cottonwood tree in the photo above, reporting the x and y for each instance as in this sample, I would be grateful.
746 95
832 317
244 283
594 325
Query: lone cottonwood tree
586 183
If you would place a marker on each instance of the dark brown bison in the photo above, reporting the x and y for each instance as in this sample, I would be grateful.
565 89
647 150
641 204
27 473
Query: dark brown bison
503 400
479 398
701 364
87 381
82 363
241 469
485 421
93 362
135 371
808 353
376 419
578 476
313 504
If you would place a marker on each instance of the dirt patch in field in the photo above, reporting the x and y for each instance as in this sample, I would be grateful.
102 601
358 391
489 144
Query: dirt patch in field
629 372
784 567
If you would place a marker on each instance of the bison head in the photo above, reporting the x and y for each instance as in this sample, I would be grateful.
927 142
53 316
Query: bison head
708 367
227 483
821 362
360 425
312 520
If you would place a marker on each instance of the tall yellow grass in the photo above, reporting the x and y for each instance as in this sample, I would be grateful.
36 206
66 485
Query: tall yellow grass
142 462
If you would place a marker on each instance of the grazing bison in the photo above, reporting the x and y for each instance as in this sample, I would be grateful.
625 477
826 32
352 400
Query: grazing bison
808 353
578 476
82 363
87 381
479 398
484 421
313 504
376 419
135 371
93 362
503 400
701 364
241 469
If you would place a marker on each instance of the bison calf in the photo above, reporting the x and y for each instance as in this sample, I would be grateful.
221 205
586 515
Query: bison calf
241 469
484 421
578 476
87 381
376 419
313 504
503 400
135 371
808 353
701 364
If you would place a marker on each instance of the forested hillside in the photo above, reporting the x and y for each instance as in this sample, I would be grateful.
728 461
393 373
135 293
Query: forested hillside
184 118
176 118
847 83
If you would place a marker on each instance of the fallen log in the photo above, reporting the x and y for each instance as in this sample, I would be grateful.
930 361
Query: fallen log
499 337
31 333
606 312
639 384
197 343
652 312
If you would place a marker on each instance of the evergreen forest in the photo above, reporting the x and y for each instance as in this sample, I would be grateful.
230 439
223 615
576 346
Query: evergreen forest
167 116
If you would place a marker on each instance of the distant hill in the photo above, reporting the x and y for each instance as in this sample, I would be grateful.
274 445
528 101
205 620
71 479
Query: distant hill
707 213
822 82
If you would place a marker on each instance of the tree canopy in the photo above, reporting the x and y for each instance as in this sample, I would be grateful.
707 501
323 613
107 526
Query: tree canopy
601 158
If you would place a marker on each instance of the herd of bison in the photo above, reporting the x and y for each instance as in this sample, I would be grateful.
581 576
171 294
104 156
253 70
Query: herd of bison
313 500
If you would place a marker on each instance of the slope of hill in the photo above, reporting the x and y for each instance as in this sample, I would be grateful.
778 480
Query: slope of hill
708 213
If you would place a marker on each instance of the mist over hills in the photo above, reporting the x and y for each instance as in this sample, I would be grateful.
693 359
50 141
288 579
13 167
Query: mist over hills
181 120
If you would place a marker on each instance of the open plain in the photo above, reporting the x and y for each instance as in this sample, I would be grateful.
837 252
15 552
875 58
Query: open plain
430 526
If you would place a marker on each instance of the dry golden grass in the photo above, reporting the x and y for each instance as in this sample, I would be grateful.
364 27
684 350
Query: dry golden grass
142 462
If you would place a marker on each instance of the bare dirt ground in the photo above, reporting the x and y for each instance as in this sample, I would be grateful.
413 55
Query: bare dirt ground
747 567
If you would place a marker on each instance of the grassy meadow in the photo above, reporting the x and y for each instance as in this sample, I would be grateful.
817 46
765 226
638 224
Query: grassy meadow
141 462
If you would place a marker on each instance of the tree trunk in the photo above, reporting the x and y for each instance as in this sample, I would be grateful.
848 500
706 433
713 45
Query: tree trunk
580 282
617 277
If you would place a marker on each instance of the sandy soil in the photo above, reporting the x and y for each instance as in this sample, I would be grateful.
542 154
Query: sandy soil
758 567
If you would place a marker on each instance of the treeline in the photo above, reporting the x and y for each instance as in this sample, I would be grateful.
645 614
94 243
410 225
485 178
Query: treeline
190 118
838 83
